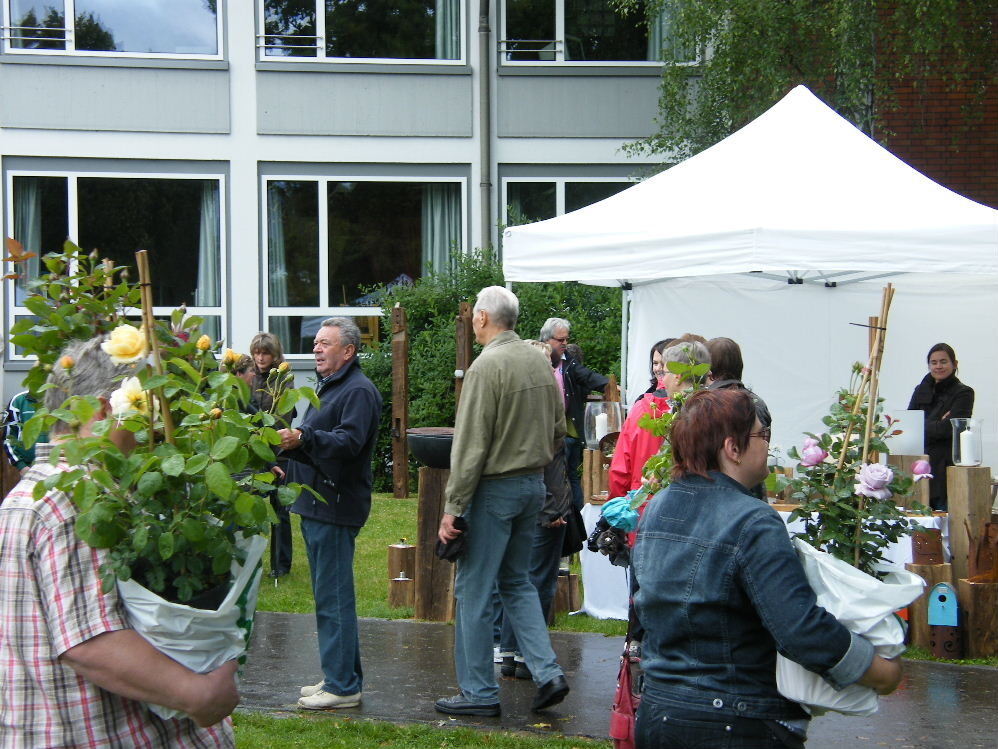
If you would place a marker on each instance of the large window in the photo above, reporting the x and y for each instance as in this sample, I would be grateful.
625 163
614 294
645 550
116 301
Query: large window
335 243
175 28
395 30
178 220
584 31
535 199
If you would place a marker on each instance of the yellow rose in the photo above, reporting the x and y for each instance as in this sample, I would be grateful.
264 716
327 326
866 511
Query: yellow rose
283 367
129 399
204 343
66 362
127 344
230 357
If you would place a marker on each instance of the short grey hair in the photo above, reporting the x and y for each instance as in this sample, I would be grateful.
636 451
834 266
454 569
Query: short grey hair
349 332
551 325
687 352
501 304
92 374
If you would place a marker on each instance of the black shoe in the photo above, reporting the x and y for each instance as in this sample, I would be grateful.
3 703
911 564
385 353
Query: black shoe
459 705
512 668
550 693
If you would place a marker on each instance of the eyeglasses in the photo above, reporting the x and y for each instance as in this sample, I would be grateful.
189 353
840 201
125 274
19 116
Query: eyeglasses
560 340
764 434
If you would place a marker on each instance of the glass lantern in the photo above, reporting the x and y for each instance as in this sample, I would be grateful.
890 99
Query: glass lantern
966 442
602 418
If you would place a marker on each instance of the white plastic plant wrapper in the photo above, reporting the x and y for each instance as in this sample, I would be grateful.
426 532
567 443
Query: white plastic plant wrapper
866 606
200 639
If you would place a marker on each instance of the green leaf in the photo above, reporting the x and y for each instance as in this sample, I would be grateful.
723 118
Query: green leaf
173 465
287 402
32 428
196 464
165 543
140 538
261 449
192 529
219 481
224 447
244 504
149 483
156 381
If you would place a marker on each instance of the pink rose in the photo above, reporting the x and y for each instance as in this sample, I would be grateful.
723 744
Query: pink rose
921 469
812 454
873 480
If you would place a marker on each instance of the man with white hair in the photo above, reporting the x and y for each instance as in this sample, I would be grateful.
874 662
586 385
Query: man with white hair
508 419
576 383
74 672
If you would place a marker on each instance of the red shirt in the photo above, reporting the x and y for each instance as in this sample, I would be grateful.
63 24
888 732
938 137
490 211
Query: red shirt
635 445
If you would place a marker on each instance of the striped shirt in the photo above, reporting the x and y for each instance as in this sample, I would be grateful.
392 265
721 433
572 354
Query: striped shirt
51 601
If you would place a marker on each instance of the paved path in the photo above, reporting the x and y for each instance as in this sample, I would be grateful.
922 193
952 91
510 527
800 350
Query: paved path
407 665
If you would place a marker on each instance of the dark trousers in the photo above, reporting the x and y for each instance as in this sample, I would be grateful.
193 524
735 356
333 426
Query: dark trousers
280 538
573 461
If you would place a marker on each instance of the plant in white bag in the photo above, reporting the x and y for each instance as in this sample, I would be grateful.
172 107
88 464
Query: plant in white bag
171 510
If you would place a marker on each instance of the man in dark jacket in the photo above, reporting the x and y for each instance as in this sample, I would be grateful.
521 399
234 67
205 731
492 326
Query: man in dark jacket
576 382
330 451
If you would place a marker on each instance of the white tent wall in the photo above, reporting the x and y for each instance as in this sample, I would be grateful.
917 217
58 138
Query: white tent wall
798 345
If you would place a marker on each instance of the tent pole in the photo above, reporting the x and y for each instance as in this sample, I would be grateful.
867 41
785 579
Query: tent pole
625 311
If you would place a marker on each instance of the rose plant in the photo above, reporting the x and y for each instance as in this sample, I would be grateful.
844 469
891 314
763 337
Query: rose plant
846 500
172 511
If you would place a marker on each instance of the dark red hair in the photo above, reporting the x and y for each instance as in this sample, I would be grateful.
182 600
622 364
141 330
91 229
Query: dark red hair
707 419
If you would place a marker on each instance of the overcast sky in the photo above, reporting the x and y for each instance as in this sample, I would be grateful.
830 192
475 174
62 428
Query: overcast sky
180 26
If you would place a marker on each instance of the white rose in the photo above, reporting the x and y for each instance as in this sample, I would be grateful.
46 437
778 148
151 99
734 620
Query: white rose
127 344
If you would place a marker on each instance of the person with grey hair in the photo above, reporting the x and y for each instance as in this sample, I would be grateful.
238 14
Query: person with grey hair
330 451
575 382
508 421
75 672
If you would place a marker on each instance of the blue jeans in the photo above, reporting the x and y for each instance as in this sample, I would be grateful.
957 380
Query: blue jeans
664 726
501 523
330 558
573 460
545 558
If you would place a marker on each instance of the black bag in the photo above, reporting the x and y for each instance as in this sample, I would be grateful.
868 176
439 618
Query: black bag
454 549
575 533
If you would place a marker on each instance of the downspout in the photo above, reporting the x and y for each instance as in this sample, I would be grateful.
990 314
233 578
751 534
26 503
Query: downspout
484 123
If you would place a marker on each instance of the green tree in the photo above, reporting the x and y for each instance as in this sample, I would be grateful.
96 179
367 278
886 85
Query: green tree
851 53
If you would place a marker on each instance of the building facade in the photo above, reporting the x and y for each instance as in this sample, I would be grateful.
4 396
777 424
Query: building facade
279 158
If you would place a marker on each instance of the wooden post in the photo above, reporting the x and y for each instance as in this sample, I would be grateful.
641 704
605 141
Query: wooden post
920 491
401 592
969 490
918 610
401 560
434 577
979 602
611 392
400 402
566 597
464 335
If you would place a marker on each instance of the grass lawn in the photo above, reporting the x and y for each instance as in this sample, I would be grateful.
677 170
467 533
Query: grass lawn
255 731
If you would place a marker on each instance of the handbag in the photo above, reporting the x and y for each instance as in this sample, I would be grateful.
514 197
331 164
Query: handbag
626 699
575 533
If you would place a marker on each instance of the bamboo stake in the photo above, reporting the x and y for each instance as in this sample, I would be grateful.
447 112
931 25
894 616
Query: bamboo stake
149 324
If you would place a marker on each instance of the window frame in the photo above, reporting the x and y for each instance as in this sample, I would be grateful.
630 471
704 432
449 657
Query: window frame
69 11
12 311
324 308
559 48
559 189
320 45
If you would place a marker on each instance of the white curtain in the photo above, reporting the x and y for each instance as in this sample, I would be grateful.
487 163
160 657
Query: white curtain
448 29
27 230
441 230
662 42
277 268
208 290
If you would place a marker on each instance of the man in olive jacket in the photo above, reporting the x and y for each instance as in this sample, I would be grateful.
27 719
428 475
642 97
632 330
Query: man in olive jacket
508 419
330 451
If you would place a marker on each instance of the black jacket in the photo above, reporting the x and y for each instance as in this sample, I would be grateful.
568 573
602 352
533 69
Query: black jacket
936 399
579 382
335 456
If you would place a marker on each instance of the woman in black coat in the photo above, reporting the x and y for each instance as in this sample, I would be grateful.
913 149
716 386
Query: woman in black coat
942 397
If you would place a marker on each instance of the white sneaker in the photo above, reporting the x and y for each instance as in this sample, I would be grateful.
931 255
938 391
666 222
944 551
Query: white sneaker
314 689
496 655
323 700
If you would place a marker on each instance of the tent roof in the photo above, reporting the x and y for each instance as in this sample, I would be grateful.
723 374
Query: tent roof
799 188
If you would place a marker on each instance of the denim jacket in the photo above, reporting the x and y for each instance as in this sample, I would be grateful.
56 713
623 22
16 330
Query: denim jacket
720 591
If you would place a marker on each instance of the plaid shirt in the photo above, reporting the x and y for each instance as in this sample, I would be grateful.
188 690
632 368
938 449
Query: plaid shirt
51 601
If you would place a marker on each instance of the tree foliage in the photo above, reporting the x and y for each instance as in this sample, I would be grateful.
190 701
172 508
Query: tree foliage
851 53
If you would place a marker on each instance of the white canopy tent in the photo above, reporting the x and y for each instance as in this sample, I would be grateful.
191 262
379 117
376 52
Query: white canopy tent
780 236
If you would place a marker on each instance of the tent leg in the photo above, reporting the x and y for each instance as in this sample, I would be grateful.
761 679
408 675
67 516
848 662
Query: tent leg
625 312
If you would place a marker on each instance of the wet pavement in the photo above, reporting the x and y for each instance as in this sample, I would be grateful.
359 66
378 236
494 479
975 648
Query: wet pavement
408 665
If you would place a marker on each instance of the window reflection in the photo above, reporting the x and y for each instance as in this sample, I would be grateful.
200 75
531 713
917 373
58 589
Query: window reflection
293 243
300 331
527 202
580 194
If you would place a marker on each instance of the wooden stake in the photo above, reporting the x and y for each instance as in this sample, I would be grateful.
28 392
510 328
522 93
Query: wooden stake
149 325
464 334
400 403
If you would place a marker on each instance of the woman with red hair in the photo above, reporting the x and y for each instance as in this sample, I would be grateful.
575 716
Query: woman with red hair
720 591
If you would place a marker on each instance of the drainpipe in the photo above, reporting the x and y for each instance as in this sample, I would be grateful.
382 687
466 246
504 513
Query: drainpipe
484 122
